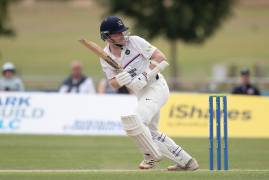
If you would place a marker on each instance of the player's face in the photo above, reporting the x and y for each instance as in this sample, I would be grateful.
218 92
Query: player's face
118 38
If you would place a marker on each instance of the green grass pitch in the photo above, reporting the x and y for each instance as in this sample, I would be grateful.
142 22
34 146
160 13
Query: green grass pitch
89 157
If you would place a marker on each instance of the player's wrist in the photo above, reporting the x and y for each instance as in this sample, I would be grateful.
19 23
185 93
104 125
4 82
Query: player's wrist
158 67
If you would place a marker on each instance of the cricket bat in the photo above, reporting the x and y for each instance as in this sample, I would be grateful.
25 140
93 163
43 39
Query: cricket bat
100 52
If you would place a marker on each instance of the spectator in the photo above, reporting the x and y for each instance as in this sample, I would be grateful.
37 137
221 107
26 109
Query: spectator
105 88
77 82
9 81
246 87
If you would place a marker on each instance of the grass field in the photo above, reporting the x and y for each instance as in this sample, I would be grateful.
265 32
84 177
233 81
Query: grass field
87 157
47 42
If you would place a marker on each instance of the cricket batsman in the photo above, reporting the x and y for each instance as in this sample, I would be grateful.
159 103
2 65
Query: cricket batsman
142 65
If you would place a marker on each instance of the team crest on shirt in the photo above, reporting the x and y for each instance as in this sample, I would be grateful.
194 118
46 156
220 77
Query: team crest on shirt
127 52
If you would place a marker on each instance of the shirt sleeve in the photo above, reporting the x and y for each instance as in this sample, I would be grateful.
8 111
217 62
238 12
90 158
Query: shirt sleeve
20 86
88 87
63 89
109 71
145 48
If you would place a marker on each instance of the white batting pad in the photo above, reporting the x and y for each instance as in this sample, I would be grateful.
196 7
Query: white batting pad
141 135
171 150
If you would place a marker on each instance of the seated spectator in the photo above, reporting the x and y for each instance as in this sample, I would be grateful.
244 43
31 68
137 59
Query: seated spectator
77 82
246 87
105 88
9 81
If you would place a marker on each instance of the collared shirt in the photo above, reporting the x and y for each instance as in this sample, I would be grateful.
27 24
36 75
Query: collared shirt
11 84
83 85
134 57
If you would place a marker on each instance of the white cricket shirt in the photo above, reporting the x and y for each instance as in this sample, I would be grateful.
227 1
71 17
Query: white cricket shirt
135 55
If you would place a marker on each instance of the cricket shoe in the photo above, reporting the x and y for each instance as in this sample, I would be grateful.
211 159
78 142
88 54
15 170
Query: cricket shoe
192 165
147 163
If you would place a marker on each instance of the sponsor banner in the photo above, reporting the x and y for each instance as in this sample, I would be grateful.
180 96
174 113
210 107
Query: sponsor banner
183 115
53 113
188 115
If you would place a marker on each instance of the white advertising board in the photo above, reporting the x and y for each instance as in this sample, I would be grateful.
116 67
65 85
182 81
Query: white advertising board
53 113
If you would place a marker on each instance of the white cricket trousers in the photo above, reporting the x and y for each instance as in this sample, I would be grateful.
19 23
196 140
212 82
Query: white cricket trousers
150 101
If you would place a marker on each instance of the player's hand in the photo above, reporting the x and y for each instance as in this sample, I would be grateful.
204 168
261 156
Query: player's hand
138 83
123 78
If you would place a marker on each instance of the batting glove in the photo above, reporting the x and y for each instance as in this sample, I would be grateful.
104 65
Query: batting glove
138 83
123 78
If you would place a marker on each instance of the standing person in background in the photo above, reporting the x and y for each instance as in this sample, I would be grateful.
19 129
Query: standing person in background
9 81
77 82
142 64
246 88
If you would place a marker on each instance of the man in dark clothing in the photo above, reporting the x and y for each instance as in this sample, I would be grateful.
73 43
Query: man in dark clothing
77 82
246 88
